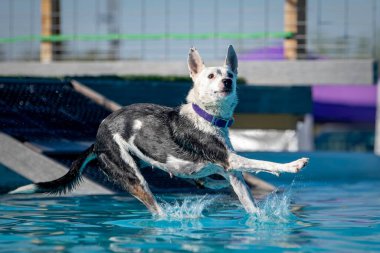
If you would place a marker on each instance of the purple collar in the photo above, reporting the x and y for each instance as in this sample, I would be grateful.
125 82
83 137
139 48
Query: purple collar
219 122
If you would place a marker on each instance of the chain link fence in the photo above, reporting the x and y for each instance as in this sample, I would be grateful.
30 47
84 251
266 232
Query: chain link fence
165 29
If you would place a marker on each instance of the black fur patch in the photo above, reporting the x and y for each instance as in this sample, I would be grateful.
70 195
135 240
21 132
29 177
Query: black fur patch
165 131
195 144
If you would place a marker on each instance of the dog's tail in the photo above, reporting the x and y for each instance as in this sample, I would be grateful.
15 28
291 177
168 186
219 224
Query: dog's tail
64 184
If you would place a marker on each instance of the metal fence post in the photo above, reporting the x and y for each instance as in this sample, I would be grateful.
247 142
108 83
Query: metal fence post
295 23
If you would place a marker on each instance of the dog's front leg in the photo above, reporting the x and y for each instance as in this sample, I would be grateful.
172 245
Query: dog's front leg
242 191
240 163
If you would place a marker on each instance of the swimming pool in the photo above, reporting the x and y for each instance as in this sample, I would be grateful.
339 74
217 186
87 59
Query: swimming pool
308 216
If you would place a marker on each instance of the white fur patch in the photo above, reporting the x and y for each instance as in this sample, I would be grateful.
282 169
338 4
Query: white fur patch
173 165
127 158
137 124
129 145
177 163
200 123
189 169
208 93
26 189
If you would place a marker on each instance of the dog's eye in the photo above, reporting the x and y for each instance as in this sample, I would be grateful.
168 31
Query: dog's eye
211 76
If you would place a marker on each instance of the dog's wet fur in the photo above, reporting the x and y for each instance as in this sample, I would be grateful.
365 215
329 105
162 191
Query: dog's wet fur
176 140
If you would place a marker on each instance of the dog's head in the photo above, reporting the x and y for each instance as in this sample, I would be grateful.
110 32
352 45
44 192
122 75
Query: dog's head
214 87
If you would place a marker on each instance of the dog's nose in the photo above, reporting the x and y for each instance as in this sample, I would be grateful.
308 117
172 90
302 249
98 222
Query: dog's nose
227 83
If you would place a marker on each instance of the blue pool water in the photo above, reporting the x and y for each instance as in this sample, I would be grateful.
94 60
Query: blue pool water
307 217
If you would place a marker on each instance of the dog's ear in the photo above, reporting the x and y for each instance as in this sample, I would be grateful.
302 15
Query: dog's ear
195 63
231 60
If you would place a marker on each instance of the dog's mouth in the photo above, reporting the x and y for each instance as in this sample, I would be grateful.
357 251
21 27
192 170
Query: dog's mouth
224 92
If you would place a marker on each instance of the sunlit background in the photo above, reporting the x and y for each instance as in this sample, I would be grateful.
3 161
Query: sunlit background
164 29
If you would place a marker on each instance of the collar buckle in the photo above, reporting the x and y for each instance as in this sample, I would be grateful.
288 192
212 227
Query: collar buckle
222 123
213 120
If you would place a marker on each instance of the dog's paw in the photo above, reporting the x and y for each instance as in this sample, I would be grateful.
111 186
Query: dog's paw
296 166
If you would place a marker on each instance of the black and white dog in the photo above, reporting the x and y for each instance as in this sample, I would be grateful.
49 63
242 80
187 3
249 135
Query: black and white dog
190 141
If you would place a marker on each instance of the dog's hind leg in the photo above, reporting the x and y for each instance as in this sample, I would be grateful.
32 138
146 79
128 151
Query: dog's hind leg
126 174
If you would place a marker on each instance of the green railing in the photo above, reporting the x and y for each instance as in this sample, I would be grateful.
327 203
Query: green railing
159 36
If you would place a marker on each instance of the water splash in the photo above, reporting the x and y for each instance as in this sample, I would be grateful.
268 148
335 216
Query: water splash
275 208
188 208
